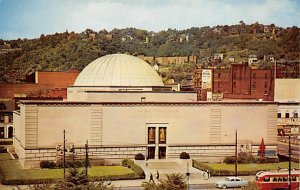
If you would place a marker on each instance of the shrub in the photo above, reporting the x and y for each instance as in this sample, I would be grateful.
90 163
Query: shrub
184 155
139 156
136 168
45 164
229 160
245 158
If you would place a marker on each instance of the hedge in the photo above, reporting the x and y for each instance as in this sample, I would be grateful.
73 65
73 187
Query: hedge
184 155
214 172
136 168
138 174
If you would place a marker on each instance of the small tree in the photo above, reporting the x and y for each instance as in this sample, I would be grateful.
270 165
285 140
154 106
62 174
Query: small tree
173 182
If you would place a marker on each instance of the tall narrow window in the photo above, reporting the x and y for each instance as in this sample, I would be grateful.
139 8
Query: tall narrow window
287 115
279 115
151 135
254 75
254 85
266 85
234 84
162 135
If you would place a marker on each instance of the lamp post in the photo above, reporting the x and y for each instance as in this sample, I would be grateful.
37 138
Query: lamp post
236 155
188 175
289 178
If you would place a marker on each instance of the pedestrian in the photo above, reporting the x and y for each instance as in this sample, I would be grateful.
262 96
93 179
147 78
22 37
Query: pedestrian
157 175
208 174
205 175
151 178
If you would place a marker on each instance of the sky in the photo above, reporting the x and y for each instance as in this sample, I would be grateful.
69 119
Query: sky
31 18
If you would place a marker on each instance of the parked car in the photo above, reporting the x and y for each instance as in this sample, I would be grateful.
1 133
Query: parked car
231 182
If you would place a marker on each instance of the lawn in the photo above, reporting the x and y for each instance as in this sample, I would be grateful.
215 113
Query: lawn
12 170
252 167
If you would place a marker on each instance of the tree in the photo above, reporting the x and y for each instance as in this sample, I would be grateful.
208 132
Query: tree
173 182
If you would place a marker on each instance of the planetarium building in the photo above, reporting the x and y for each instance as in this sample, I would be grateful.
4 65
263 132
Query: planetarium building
120 105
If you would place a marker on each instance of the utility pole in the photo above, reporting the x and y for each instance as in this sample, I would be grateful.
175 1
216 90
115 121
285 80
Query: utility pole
64 153
289 178
236 155
86 158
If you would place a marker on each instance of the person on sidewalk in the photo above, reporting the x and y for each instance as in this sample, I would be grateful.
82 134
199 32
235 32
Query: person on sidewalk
151 178
157 175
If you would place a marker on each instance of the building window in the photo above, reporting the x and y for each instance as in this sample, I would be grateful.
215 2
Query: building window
254 85
234 75
266 75
162 135
151 135
219 75
219 84
278 115
295 114
254 75
266 85
234 84
287 115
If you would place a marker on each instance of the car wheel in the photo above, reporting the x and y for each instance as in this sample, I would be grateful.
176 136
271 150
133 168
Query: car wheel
224 187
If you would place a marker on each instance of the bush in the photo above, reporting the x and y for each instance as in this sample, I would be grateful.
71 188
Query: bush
136 168
229 160
184 155
139 156
47 164
245 158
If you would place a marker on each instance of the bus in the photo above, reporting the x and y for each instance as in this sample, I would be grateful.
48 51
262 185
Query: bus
277 180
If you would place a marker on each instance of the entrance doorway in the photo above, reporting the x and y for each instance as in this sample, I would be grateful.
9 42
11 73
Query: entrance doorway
162 153
151 152
157 141
1 132
10 132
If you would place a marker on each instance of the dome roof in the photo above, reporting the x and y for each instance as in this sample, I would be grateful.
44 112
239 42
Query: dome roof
118 70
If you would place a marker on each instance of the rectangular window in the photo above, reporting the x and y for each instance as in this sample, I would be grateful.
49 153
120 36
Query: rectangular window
219 84
234 84
266 75
266 85
254 75
254 85
287 115
295 115
234 75
151 135
219 75
162 135
278 115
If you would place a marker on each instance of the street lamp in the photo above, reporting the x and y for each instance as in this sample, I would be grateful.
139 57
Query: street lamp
188 175
236 155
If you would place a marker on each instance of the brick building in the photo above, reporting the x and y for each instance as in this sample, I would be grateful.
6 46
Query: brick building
238 82
40 84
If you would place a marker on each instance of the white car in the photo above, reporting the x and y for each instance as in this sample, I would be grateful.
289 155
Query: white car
231 182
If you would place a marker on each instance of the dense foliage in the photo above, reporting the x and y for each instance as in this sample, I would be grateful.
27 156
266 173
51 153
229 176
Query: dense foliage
69 50
184 155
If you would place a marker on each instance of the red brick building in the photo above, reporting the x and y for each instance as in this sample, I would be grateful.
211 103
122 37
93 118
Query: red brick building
238 82
40 84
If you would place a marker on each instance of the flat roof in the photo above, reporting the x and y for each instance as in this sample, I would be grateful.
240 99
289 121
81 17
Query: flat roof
143 103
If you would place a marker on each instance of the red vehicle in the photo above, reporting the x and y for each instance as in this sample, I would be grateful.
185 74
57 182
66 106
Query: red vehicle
276 180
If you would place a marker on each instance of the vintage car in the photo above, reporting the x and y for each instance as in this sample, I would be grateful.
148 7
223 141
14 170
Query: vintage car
231 182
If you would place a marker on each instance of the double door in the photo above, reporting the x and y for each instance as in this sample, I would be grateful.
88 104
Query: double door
157 142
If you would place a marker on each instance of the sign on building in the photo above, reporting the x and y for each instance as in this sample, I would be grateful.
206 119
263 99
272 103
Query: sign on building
206 79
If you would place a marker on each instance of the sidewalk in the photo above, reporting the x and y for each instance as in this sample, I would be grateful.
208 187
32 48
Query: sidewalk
192 181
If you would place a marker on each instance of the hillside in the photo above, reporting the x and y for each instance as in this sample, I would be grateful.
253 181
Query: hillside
69 50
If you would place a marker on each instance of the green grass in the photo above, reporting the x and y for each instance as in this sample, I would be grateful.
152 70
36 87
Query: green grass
252 167
12 170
